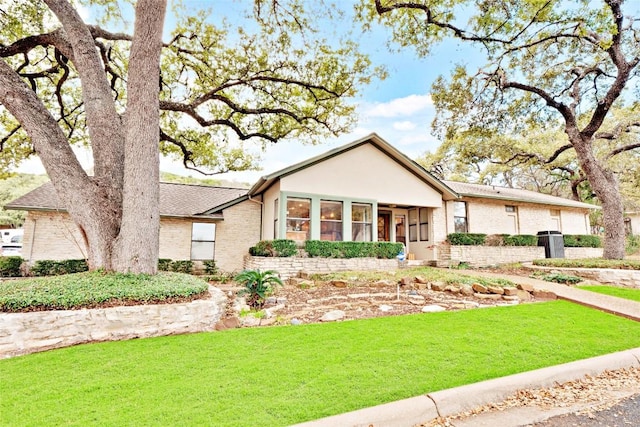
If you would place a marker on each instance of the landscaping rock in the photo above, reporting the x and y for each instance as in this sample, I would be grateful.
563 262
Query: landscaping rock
303 274
496 290
524 295
385 308
479 288
437 286
296 322
381 284
421 280
466 290
433 308
421 286
406 281
228 323
453 289
250 321
510 297
332 316
545 295
339 283
488 296
526 287
510 291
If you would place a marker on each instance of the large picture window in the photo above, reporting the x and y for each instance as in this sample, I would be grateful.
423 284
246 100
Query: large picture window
203 240
460 217
298 219
424 224
330 220
361 222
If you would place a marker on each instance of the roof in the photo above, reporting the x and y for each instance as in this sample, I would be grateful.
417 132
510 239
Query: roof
513 195
176 200
447 193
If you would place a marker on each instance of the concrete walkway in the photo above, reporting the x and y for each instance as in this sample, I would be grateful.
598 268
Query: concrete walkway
422 409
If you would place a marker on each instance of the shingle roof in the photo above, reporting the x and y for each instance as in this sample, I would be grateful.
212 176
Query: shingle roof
178 200
513 194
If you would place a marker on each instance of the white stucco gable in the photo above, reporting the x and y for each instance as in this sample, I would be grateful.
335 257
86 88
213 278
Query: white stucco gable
364 172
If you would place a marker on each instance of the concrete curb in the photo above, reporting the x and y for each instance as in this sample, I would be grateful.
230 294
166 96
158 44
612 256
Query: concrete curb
421 409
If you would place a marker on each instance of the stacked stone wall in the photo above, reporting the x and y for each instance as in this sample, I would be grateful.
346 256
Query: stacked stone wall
292 266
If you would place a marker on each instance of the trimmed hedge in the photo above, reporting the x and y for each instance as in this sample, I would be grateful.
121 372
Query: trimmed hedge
521 240
57 268
10 266
582 241
467 239
274 248
327 249
180 266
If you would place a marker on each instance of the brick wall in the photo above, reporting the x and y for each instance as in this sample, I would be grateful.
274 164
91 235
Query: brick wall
290 267
236 234
479 256
24 333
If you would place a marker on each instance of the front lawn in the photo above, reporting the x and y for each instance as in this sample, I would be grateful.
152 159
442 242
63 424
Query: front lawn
627 293
284 375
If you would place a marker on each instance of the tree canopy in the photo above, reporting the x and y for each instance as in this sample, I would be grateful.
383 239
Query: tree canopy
548 65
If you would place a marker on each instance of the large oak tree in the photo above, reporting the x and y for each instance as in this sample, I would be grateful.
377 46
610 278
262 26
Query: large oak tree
198 96
545 62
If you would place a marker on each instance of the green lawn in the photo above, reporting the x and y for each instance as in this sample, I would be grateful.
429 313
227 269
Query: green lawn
283 375
627 293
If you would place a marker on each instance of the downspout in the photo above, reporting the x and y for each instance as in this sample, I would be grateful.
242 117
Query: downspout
33 236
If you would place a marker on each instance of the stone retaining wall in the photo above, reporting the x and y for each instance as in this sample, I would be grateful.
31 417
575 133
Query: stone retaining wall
291 266
606 276
481 256
24 333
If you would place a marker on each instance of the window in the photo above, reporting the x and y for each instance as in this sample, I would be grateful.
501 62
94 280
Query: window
424 224
361 222
460 217
413 225
401 235
276 214
203 239
510 209
298 219
330 220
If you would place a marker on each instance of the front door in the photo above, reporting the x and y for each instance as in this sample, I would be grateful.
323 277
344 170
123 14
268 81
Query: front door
384 226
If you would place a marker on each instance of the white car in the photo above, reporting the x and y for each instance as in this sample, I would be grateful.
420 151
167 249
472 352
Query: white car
14 248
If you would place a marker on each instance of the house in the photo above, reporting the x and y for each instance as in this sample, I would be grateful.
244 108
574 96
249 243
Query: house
632 223
366 190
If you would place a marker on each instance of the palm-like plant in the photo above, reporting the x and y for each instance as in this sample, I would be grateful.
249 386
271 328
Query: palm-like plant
258 285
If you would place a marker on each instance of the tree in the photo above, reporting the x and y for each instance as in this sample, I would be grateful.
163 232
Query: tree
547 62
65 82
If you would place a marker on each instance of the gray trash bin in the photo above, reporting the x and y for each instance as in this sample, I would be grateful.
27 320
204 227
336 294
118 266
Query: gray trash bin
553 243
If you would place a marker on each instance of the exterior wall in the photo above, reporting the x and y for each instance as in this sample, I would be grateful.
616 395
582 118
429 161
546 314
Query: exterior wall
291 267
480 256
490 217
236 234
268 211
175 238
367 173
51 235
23 333
634 219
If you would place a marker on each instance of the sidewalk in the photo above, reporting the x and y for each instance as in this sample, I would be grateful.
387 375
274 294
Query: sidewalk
422 409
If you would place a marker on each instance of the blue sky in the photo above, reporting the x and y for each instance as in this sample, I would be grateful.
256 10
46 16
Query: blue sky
399 109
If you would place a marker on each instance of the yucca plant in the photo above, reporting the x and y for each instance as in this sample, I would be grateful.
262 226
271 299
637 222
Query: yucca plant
258 285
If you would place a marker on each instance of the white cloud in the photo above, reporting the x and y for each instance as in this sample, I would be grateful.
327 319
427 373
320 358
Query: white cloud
405 125
406 106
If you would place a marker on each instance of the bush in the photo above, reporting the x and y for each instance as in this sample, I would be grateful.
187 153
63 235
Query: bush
467 239
210 267
521 240
57 268
257 285
622 264
164 264
274 248
632 245
182 266
10 266
582 241
327 249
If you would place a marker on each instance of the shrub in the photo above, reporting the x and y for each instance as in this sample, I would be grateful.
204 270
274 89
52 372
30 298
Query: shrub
632 244
164 264
467 239
10 266
182 266
566 279
258 285
521 240
622 264
582 241
210 267
274 248
57 268
328 249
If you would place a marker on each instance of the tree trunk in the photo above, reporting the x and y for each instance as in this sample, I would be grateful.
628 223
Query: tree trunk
605 185
137 246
